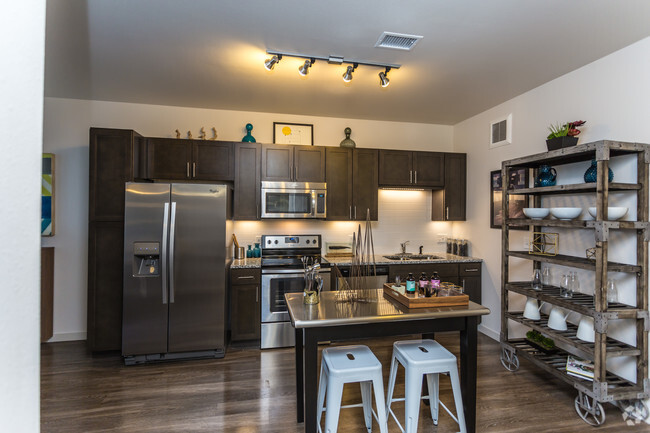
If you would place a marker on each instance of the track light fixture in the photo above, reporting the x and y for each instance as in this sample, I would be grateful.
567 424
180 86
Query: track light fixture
304 68
269 64
347 75
383 79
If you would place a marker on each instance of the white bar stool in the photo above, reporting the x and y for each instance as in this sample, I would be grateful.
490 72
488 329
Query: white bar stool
423 357
347 364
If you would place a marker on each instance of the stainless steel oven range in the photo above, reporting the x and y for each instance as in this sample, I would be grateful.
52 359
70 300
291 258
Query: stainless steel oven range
283 272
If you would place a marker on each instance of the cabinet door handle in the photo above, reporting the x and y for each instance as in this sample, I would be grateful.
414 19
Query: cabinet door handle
410 176
471 270
188 169
355 212
447 213
194 169
416 177
350 212
257 294
246 277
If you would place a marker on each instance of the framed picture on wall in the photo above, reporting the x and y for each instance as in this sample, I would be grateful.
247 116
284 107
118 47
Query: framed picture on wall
517 203
293 133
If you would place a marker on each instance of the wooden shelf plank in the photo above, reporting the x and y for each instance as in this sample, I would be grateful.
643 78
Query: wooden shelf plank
573 189
555 364
580 303
576 262
613 347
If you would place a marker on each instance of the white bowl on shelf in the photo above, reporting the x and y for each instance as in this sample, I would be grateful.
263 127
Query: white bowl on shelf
536 213
566 213
613 213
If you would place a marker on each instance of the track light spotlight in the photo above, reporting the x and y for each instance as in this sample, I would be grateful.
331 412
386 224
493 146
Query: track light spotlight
347 75
304 69
383 79
269 64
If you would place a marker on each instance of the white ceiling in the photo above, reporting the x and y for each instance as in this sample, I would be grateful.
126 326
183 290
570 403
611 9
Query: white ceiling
474 55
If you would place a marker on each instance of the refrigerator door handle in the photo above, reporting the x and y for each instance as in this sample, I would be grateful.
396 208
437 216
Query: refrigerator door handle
172 238
163 262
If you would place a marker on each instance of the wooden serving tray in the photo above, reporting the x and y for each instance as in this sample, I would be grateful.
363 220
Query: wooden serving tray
434 301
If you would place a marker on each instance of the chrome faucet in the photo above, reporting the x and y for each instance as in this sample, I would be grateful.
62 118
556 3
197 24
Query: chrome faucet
403 245
421 248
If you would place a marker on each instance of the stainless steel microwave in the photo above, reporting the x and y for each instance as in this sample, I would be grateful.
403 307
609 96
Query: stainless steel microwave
294 200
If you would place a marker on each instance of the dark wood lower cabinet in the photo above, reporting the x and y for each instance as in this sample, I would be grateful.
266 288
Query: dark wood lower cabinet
105 271
245 301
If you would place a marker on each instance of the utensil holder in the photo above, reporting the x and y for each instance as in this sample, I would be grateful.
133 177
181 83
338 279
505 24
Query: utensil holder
240 253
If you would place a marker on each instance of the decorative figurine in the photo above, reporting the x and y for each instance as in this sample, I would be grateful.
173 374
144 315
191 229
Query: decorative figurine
214 133
178 134
189 134
348 142
248 138
202 133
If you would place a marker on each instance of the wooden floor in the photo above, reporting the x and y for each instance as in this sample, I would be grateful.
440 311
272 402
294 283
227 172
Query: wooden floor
253 391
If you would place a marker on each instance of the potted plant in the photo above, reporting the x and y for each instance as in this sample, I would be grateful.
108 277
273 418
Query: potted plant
539 342
563 135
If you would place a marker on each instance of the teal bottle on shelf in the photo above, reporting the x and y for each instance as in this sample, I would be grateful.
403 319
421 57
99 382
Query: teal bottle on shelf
256 251
249 253
592 173
248 138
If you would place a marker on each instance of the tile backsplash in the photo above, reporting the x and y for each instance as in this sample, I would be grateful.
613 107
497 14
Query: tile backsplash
403 215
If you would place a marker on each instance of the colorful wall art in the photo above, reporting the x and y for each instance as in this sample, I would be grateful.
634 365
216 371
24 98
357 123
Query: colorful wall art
47 195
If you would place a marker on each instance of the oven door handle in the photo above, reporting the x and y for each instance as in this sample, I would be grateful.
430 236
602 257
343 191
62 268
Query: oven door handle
281 273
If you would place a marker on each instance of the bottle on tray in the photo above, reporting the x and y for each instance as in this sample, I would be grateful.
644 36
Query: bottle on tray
410 284
423 283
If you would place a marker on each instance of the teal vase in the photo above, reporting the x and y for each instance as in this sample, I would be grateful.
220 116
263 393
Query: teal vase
546 176
591 174
248 138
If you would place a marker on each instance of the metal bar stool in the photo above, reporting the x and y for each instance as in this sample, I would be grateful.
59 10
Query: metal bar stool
347 364
423 357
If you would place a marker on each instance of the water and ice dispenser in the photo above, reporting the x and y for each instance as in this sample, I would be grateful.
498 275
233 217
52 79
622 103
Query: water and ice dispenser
146 259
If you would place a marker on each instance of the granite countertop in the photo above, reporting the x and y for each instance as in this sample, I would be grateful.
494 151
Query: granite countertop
379 260
246 263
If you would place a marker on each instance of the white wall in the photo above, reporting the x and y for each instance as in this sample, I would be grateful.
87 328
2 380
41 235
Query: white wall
612 95
22 44
403 216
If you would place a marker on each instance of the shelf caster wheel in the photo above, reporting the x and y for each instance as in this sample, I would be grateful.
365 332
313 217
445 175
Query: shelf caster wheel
589 410
509 359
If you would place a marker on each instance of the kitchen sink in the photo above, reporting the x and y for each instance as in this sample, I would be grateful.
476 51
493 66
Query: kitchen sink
413 257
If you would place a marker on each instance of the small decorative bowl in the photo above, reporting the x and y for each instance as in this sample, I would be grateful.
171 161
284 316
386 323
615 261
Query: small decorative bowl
566 213
613 213
536 213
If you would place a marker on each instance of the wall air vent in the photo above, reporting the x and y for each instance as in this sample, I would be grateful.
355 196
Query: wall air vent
397 41
501 131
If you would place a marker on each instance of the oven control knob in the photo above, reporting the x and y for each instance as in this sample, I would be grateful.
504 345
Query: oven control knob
276 241
307 241
269 241
314 241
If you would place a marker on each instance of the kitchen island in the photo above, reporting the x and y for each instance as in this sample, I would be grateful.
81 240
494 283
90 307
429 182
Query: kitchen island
331 320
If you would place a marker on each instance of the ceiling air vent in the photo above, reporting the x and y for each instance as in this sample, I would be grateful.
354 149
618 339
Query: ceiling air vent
397 41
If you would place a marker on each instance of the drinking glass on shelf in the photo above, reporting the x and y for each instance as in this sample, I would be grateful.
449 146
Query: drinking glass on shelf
536 282
546 276
565 286
574 284
612 291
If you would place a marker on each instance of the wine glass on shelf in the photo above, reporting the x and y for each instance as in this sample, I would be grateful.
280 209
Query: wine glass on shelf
536 282
612 292
574 283
546 276
565 286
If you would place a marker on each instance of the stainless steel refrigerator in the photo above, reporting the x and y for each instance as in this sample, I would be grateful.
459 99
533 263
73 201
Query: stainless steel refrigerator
176 252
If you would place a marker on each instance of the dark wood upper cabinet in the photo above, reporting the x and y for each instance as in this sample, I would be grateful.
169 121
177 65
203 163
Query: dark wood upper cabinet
169 158
395 168
286 163
213 160
247 181
365 183
310 163
428 169
114 160
449 203
406 168
338 174
180 159
352 183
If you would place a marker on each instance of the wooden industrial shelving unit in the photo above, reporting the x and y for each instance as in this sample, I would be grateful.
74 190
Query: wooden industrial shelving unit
606 386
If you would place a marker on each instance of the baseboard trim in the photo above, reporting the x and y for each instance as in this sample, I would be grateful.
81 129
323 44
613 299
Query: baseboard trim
67 336
489 332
